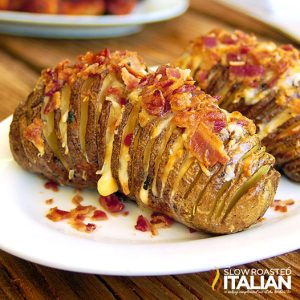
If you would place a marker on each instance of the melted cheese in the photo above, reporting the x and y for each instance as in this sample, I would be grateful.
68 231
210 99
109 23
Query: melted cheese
107 184
124 156
50 136
64 111
164 142
102 94
277 121
144 196
157 130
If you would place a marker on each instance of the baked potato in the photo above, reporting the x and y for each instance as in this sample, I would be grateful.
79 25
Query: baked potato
106 121
258 79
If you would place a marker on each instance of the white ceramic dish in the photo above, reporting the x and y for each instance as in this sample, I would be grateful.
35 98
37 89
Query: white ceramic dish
65 26
116 247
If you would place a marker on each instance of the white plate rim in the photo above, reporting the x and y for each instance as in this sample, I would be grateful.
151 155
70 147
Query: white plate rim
138 259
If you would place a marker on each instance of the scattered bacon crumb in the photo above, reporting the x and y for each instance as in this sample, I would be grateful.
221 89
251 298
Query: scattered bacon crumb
51 185
192 230
160 220
90 227
125 213
56 214
128 139
282 205
111 203
142 224
49 201
77 199
99 215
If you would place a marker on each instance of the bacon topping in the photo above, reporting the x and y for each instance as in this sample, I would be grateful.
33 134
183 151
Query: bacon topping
142 224
128 139
111 203
33 133
99 215
51 185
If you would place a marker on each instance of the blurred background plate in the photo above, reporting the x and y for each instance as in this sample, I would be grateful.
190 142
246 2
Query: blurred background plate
67 26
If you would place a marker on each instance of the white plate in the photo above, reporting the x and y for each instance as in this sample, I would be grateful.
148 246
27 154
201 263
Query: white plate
66 26
116 248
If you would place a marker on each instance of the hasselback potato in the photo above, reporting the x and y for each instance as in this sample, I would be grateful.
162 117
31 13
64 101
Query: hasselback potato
258 79
155 137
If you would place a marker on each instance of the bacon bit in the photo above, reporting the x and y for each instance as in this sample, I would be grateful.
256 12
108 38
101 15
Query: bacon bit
111 203
155 103
79 218
244 49
49 201
289 202
281 205
53 102
51 185
207 147
172 74
123 101
125 213
56 214
192 230
77 199
246 70
99 215
232 57
82 210
130 80
228 40
90 227
142 224
287 47
209 41
160 220
202 75
33 133
128 139
114 91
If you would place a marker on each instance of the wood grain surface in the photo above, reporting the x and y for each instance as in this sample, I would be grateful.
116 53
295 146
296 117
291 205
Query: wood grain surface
21 60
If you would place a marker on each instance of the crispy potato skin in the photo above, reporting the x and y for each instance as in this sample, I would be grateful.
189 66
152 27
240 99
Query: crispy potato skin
154 165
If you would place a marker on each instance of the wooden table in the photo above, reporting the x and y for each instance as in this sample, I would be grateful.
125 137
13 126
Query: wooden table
21 60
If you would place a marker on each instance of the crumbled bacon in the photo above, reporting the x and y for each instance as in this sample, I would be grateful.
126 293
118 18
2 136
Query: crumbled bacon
51 185
111 203
77 199
160 220
56 214
142 224
130 80
209 41
33 133
90 227
207 147
49 201
123 101
99 215
282 205
128 139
